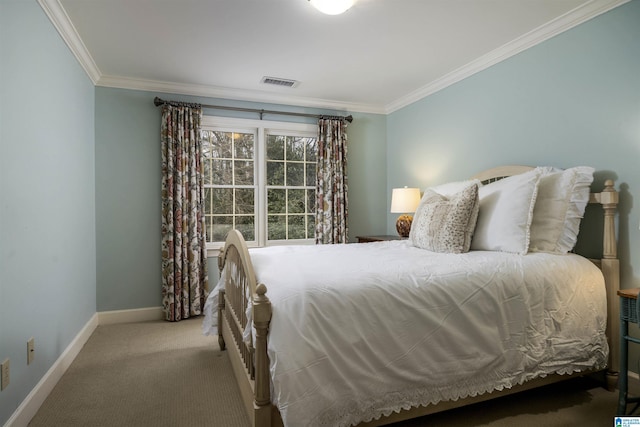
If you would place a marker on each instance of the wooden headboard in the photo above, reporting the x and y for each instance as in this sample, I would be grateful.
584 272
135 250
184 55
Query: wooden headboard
500 172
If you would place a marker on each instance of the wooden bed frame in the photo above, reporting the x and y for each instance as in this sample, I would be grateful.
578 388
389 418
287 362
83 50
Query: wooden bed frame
251 362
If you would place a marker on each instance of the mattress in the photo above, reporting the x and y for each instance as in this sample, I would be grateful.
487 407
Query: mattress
362 330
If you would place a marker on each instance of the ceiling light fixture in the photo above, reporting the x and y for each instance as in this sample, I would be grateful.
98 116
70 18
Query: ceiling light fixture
332 7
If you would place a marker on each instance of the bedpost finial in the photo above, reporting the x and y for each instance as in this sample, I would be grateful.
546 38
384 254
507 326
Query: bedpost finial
608 184
261 289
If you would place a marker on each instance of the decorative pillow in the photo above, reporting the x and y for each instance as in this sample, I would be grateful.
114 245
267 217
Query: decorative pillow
506 212
445 224
562 199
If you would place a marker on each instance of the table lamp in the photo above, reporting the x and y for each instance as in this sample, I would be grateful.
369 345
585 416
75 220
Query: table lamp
404 200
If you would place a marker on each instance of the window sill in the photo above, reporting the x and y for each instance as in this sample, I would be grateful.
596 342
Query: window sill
213 249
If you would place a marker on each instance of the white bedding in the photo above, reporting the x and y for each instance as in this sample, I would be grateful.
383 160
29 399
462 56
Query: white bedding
361 330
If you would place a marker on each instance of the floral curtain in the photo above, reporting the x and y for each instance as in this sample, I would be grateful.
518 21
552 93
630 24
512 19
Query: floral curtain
184 252
331 184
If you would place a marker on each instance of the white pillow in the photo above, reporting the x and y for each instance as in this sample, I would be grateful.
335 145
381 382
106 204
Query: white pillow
562 199
506 212
450 188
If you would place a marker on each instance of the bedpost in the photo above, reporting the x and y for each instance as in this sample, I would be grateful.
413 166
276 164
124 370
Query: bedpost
611 271
261 319
609 200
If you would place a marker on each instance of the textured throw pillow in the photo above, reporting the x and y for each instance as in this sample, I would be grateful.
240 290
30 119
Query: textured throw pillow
445 224
506 212
562 198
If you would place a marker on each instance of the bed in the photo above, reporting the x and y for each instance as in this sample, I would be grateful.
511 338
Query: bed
389 331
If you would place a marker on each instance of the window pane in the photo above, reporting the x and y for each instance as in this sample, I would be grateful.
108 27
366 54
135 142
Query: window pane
243 172
311 227
245 200
275 147
206 171
295 149
295 174
275 173
243 143
297 229
276 202
222 200
208 200
310 174
247 226
208 222
221 172
221 226
206 146
221 145
312 149
296 201
311 201
276 227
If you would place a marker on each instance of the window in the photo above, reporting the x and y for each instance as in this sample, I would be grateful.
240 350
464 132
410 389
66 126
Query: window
291 178
230 185
259 178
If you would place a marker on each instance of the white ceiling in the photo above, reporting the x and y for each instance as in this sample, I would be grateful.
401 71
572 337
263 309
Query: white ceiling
377 57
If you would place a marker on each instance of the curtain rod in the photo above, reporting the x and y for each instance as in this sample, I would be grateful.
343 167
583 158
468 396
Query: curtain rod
158 102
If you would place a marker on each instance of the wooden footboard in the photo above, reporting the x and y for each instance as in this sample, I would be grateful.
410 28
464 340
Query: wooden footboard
250 358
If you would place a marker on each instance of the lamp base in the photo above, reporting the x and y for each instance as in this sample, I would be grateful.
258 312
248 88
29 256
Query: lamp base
403 225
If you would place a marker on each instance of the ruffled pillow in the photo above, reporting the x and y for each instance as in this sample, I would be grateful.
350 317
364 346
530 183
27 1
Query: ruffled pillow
445 224
562 198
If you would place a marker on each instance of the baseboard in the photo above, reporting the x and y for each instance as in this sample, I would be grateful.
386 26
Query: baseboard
128 316
30 405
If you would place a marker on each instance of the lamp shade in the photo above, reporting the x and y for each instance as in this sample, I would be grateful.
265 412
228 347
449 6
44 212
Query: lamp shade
332 7
405 200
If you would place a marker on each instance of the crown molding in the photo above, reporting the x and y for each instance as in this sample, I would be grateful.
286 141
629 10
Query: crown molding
60 20
234 94
562 23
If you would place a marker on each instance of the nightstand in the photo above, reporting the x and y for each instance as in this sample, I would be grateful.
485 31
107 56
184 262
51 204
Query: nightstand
379 238
629 312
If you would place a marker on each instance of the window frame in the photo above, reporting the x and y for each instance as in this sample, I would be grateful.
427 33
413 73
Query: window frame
261 128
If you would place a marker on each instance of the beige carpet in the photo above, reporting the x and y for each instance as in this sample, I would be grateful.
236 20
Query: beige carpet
168 374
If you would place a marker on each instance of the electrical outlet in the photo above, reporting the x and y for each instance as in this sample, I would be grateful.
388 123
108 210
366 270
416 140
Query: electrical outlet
5 374
30 351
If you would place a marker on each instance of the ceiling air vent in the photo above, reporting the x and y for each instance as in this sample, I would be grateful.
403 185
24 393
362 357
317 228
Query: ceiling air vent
279 82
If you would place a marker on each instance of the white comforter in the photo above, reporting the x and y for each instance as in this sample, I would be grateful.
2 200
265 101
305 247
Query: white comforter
361 330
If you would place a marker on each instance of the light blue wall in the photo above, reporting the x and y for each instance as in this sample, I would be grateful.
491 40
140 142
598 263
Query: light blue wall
128 189
572 100
47 207
80 229
127 200
367 174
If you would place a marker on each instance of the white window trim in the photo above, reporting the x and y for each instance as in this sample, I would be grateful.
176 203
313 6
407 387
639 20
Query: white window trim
261 127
